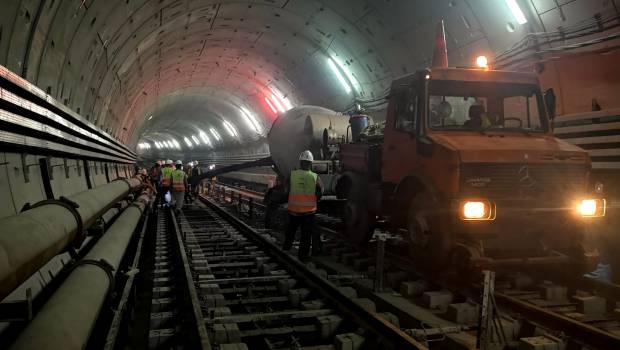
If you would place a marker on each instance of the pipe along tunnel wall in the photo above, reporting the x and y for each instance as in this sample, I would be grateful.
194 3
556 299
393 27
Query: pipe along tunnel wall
67 319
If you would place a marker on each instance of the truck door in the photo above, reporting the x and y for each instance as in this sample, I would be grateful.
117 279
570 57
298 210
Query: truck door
399 151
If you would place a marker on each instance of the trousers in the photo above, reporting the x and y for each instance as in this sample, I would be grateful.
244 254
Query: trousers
308 235
177 199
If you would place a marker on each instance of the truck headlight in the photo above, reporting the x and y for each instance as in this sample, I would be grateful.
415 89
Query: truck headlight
591 207
477 210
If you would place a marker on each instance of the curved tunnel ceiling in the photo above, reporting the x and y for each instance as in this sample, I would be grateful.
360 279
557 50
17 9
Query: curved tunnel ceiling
150 71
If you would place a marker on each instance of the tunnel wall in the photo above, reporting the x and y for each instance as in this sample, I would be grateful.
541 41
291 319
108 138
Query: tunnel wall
577 79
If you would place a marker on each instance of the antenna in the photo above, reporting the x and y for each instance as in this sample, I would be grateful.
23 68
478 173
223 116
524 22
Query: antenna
440 56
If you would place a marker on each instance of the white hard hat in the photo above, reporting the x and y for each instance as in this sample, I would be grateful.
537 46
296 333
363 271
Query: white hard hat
179 162
307 156
168 161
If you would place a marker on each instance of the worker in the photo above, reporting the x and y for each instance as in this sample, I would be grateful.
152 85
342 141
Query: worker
179 183
188 173
156 180
166 180
305 189
477 118
194 176
142 175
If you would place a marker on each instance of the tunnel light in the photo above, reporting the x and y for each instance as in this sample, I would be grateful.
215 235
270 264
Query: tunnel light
281 99
230 128
176 144
157 145
278 104
215 134
195 140
205 138
516 11
273 109
339 76
352 79
151 117
251 120
187 142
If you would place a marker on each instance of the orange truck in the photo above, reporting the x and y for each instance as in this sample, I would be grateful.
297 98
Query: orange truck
468 170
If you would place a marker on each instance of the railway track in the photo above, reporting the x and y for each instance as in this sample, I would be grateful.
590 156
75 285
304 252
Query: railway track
220 284
573 312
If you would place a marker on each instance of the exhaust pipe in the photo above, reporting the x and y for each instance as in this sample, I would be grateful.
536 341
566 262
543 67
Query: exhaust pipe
440 55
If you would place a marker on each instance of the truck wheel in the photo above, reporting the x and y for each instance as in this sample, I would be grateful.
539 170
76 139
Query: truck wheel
430 243
359 223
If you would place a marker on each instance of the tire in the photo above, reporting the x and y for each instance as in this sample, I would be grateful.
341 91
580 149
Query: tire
359 222
430 243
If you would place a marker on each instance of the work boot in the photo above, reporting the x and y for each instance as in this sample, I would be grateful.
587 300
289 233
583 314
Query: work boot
602 273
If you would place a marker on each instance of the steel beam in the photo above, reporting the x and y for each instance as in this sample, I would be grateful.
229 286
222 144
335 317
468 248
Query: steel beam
67 319
33 237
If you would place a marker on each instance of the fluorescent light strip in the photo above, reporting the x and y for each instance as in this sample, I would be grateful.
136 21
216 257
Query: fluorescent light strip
215 134
195 140
339 76
187 142
205 138
278 104
273 109
251 120
230 128
352 79
516 11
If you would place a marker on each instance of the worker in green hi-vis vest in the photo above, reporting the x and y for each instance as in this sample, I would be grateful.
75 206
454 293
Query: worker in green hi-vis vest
305 189
179 184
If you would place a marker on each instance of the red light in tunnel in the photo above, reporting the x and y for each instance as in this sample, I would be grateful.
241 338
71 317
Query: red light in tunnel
273 109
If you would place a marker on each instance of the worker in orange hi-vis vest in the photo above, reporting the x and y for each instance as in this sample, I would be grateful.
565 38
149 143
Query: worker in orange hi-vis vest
179 184
305 189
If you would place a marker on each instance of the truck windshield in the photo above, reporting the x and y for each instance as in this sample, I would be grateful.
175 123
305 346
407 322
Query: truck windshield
458 105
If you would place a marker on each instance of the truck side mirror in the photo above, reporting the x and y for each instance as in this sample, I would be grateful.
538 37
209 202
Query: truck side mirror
425 146
549 97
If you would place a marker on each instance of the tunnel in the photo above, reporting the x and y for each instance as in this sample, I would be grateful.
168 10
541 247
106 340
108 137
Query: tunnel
414 141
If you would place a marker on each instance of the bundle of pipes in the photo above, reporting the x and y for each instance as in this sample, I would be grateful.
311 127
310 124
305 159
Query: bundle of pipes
33 237
67 319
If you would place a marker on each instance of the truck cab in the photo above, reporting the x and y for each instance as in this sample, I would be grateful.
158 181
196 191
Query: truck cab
468 170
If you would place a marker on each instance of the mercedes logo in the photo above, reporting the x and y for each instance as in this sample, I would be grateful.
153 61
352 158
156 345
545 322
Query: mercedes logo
524 178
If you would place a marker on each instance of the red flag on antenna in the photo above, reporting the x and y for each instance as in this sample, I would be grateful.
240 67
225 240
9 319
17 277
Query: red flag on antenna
440 56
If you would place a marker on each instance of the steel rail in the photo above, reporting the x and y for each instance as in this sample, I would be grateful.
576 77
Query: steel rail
394 337
579 331
201 329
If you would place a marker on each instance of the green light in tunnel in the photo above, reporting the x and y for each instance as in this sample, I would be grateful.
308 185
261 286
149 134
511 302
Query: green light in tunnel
516 11
339 76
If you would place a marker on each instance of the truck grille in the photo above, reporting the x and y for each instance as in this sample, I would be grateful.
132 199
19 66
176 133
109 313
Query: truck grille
522 180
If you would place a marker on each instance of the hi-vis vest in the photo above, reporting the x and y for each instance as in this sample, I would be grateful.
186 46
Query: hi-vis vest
177 180
302 194
166 173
